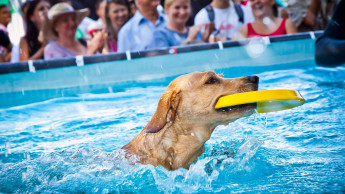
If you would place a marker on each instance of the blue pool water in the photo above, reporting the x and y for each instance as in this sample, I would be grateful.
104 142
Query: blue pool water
71 144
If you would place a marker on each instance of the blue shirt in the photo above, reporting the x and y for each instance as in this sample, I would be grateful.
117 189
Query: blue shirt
137 33
165 37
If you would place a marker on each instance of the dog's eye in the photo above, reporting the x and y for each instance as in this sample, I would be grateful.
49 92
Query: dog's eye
211 80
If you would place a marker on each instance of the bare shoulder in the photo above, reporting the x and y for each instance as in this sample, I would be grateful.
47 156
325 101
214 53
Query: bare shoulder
23 42
290 27
24 49
243 32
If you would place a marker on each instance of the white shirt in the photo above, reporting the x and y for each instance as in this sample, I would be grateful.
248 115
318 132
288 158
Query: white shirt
226 20
85 23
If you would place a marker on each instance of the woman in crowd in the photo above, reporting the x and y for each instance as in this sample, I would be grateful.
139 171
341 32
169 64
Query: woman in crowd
176 32
61 26
267 22
117 13
32 44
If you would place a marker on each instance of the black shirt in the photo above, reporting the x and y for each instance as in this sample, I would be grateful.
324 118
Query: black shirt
4 39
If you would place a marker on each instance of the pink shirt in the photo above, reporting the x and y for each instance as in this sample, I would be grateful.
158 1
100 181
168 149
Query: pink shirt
54 50
112 45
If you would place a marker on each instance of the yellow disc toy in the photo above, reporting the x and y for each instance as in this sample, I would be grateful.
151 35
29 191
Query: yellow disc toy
267 100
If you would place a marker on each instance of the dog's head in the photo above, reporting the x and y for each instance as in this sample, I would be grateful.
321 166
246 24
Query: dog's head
191 99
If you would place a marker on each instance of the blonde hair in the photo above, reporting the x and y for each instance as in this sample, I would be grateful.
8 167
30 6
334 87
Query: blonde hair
168 3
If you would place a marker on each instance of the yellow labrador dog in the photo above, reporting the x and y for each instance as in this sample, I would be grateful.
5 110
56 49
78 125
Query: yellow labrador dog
185 118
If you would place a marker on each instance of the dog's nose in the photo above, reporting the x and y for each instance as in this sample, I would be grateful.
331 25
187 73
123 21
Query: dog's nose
253 79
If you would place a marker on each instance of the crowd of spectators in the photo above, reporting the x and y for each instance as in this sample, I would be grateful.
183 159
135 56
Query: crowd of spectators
54 29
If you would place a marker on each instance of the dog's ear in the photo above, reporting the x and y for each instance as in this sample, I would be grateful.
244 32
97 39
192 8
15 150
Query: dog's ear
166 111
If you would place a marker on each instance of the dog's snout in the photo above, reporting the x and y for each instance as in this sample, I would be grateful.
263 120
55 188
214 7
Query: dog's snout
253 78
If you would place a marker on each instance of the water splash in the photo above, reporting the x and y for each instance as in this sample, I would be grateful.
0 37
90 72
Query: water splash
110 171
246 152
266 118
67 145
7 149
255 48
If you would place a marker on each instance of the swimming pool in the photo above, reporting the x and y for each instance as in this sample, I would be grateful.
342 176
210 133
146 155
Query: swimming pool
67 139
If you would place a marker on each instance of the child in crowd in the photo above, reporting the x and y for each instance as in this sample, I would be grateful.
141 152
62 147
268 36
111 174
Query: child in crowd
61 26
33 43
227 17
176 32
117 13
267 22
137 33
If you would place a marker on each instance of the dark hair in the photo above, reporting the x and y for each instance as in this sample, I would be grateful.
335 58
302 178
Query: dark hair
23 6
3 5
32 31
110 29
98 2
53 2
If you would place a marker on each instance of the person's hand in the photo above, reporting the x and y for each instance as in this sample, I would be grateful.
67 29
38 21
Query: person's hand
209 28
96 43
42 39
2 58
310 18
193 32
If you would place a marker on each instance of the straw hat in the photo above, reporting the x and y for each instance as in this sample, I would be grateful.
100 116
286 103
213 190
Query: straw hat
56 11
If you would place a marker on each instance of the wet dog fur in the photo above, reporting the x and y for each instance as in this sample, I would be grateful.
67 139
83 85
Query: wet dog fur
185 119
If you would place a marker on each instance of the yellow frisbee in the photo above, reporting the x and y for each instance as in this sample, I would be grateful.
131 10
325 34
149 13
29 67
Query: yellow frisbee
267 100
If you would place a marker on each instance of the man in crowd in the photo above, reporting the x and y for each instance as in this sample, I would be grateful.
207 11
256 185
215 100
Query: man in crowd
137 33
227 16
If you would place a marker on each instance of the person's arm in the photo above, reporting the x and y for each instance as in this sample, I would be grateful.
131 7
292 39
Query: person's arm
96 43
310 18
194 35
24 53
201 18
38 54
330 47
242 33
290 27
24 50
9 53
193 32
208 29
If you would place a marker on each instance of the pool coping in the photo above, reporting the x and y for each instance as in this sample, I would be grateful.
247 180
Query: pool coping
33 65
